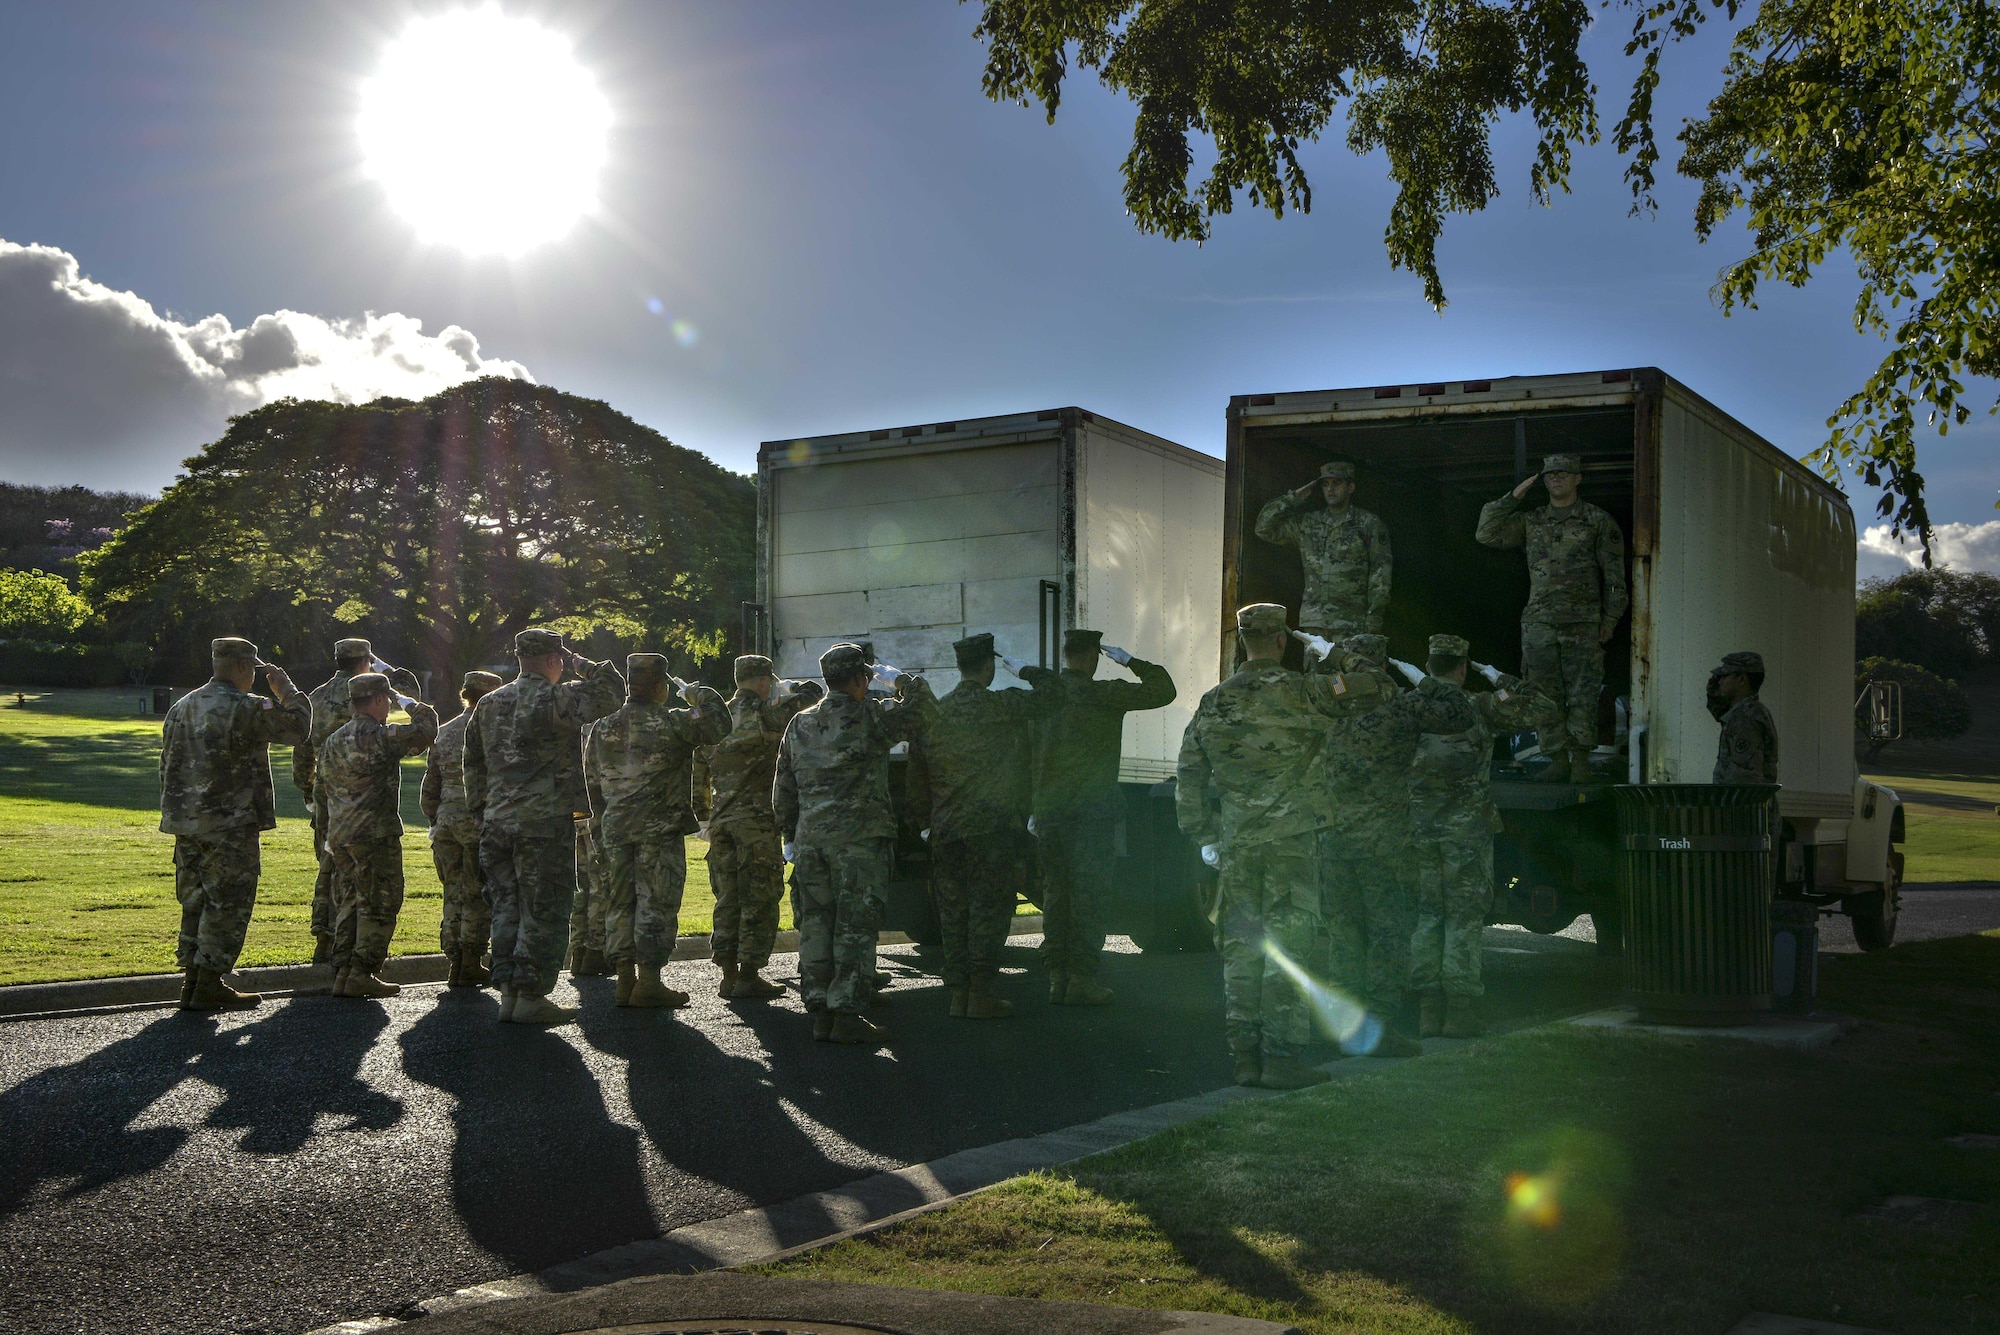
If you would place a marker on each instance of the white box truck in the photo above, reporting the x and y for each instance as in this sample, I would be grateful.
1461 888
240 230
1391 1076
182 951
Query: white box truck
1024 525
1731 544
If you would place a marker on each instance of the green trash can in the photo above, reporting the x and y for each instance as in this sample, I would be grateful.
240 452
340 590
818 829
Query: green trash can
1697 875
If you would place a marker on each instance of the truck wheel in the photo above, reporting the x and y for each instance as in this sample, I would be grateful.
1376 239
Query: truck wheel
1874 914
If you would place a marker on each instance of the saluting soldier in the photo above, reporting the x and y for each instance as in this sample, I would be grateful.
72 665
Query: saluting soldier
1077 806
360 771
1368 877
636 766
1747 750
1251 791
523 786
1343 548
1576 598
969 782
732 793
1451 805
215 800
831 799
467 921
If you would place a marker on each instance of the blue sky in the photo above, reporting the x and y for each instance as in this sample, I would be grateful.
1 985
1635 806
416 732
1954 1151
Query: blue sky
838 231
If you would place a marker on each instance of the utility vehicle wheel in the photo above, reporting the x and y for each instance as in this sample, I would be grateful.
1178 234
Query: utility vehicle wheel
1874 914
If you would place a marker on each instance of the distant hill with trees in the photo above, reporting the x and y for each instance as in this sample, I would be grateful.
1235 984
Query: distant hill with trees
45 528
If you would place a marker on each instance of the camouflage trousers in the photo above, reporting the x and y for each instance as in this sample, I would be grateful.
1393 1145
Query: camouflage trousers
322 902
1077 855
642 905
1270 903
531 881
974 883
746 870
1564 663
215 880
1454 889
1366 898
468 920
840 892
593 885
367 897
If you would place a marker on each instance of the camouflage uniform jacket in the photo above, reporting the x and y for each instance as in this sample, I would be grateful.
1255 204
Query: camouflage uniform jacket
1747 751
331 710
1451 778
832 784
524 746
1255 749
637 764
971 775
1345 556
1576 560
361 770
443 798
215 758
1369 756
1077 748
732 779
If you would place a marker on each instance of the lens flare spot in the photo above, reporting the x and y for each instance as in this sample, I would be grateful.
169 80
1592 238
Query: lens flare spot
798 452
655 306
1532 1200
1339 1016
685 333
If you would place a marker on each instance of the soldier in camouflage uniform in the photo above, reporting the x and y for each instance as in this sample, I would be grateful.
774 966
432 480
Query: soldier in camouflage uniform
1747 750
360 772
1343 548
831 800
1078 806
1576 597
732 794
1451 807
215 799
1368 880
587 914
636 769
1252 792
467 921
523 785
968 782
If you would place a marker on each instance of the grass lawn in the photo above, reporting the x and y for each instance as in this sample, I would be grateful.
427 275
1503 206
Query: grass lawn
86 878
1555 1180
1947 843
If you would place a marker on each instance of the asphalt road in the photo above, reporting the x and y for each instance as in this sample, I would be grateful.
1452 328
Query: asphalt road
321 1159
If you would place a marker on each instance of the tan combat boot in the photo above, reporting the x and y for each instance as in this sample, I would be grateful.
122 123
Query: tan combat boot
1430 1012
532 1009
593 965
726 988
648 990
822 1025
855 1031
1558 770
1283 1073
339 988
509 999
1087 992
749 987
472 972
212 994
454 969
1249 1069
981 1004
1462 1018
1058 988
956 1007
187 987
577 951
362 982
627 979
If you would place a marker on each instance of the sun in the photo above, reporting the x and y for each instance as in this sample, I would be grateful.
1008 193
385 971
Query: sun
485 131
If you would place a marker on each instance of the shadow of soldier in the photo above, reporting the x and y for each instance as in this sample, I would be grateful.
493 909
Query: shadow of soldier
539 1171
281 1075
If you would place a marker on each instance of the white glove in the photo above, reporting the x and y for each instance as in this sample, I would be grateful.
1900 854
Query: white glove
1031 825
1013 665
1212 854
701 831
887 674
1410 670
1488 671
1117 655
791 850
1316 648
923 834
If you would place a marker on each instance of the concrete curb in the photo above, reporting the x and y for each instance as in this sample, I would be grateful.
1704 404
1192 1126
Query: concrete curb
36 1001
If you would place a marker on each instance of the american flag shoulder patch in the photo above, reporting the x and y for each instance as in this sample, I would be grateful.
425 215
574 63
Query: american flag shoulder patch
1339 684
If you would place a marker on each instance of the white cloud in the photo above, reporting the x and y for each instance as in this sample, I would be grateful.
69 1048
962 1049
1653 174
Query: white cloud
96 386
1960 546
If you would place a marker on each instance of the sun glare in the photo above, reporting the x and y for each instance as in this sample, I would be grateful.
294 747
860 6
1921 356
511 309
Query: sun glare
485 131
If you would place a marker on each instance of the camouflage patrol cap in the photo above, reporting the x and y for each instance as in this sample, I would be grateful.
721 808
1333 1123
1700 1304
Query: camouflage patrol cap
1450 646
479 683
231 646
1337 468
366 686
1563 463
1261 619
645 671
1078 641
752 666
535 641
1741 661
352 648
1374 648
841 660
974 650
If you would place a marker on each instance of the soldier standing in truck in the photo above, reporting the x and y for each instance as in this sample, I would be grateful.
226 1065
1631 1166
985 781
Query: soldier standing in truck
1576 598
1343 548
